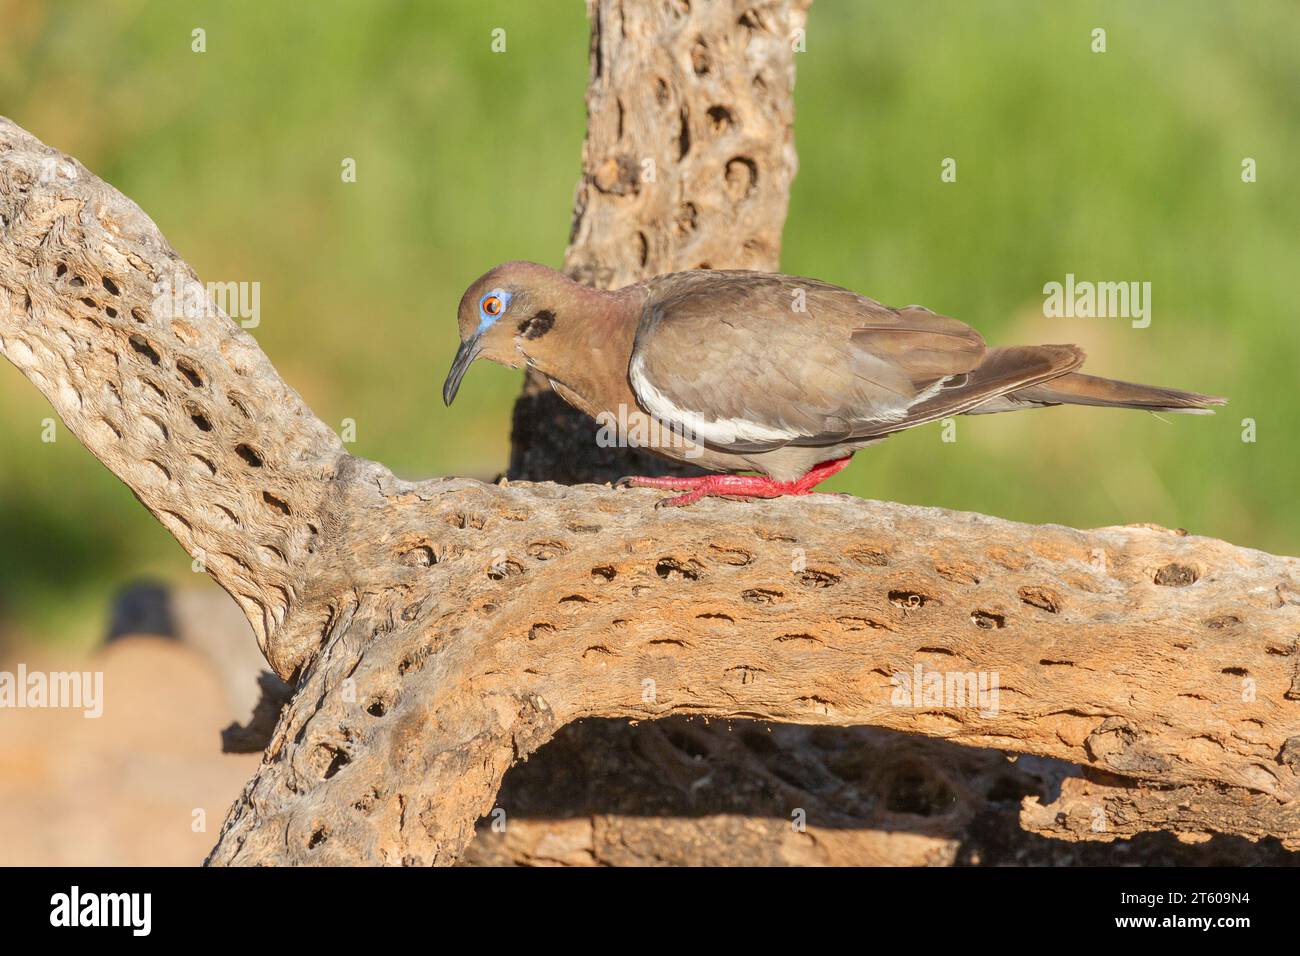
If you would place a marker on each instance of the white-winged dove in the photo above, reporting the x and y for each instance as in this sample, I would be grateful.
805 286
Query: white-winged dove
753 372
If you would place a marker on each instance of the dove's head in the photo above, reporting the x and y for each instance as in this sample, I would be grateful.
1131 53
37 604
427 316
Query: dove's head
505 313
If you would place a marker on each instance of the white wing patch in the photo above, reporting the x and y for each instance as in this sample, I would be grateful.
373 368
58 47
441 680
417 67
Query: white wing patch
900 411
718 431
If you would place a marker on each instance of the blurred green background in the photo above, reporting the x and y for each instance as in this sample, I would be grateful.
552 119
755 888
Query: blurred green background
1117 166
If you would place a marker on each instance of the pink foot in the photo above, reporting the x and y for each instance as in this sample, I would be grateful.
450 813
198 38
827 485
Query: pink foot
735 486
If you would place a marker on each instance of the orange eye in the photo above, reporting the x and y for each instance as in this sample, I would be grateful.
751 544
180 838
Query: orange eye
492 305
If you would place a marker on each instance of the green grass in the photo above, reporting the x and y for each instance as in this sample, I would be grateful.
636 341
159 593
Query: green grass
1122 165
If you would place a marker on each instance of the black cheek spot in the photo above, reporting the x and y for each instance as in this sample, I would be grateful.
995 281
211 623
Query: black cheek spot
538 325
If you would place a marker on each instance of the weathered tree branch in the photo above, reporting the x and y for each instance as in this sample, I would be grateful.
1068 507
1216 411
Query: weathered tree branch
180 403
439 631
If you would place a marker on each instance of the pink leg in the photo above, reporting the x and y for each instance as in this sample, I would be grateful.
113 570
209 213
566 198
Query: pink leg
738 486
671 483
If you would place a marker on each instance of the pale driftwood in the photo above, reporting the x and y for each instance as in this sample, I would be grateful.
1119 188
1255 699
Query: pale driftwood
439 631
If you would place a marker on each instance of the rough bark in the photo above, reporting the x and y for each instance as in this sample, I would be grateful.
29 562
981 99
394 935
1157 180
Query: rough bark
437 632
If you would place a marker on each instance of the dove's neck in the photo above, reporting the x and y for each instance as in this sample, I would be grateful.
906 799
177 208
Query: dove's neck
586 353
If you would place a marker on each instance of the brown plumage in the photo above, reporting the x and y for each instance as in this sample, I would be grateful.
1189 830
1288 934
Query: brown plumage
749 371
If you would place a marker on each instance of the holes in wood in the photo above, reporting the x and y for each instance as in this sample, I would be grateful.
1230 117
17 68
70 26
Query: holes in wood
156 424
987 620
1176 576
701 61
1041 598
814 578
462 520
808 638
751 20
670 567
851 623
735 557
546 550
505 569
421 556
197 416
415 660
143 347
334 758
113 429
179 518
720 119
251 456
740 178
871 557
908 599
686 220
1223 622
225 515
189 373
276 504
238 405
156 472
184 331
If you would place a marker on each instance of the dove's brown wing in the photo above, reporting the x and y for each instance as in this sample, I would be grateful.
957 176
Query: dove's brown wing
749 360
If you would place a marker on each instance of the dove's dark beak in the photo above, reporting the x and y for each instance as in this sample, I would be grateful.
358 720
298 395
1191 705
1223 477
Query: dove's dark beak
465 356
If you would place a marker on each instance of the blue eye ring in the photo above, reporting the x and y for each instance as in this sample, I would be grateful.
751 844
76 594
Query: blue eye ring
492 306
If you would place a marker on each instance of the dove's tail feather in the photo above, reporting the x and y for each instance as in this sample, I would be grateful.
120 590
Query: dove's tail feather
1079 389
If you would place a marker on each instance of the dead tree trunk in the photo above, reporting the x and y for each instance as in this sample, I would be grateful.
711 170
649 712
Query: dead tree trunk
437 632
